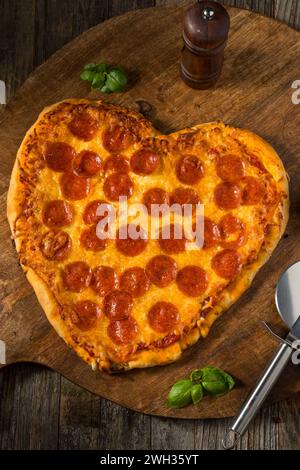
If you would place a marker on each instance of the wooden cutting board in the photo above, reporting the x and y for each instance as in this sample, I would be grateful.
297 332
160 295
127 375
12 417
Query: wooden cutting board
262 62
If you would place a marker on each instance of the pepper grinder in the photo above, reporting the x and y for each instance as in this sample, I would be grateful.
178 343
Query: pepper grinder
205 32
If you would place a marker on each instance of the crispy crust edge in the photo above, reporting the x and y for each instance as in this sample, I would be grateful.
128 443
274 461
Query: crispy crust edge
150 358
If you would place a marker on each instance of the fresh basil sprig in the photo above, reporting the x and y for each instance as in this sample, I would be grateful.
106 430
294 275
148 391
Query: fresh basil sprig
210 380
104 78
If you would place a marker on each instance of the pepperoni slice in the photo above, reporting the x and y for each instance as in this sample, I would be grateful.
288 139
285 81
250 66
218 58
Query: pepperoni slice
91 241
189 169
192 281
184 196
56 245
59 156
163 317
228 196
90 212
135 281
84 126
167 241
73 187
117 185
57 213
227 264
124 331
116 164
253 191
144 161
84 314
104 280
211 233
155 196
161 270
77 276
117 305
87 163
232 231
117 138
230 168
130 246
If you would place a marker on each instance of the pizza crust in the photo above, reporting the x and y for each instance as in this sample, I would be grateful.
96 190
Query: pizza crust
147 358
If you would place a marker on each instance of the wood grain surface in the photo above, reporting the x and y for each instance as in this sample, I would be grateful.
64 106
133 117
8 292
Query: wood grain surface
70 424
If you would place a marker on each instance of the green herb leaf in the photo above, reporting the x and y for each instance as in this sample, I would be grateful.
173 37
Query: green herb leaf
197 393
180 394
105 89
196 376
100 68
214 382
87 75
90 66
230 381
116 80
98 80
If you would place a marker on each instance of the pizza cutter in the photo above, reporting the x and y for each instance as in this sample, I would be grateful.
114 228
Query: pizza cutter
287 299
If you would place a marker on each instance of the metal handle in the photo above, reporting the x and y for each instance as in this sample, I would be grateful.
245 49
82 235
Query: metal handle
259 394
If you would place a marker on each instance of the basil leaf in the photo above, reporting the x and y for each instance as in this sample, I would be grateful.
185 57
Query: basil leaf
196 376
229 380
197 393
87 75
105 89
90 66
98 80
100 68
180 394
116 80
214 382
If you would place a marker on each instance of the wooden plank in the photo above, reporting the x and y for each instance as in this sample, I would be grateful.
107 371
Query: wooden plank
79 420
263 431
56 22
288 11
260 6
288 423
265 7
209 434
123 429
29 408
160 3
117 7
167 434
56 27
87 422
283 10
16 50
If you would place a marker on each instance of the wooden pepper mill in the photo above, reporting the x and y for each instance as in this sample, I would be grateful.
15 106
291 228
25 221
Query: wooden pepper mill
205 32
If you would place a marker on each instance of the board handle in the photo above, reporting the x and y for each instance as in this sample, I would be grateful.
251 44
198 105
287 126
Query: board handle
258 395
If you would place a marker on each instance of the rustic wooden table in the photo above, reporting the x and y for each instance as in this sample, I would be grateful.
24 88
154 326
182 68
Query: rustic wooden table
38 408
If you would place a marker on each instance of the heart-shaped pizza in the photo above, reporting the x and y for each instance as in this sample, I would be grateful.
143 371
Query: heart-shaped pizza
133 299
